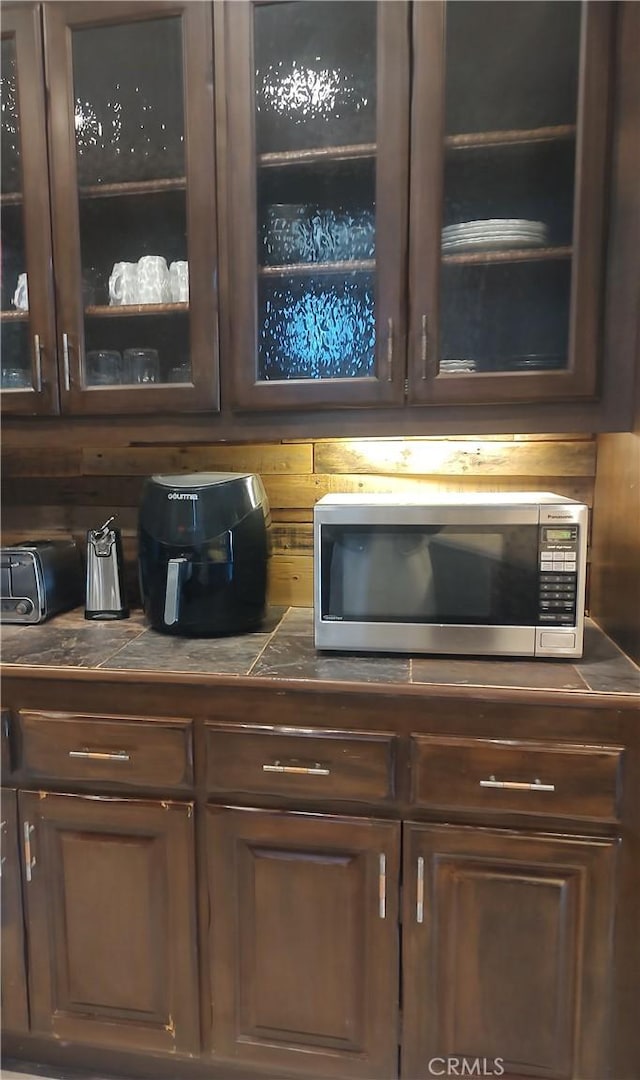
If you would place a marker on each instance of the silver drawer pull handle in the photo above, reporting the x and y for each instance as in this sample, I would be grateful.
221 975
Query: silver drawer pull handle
297 770
100 755
65 362
420 891
37 349
29 859
424 347
515 785
389 350
382 886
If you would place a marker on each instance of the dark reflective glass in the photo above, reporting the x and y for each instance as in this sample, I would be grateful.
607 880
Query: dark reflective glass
315 74
320 326
511 64
315 92
129 102
10 147
129 110
14 356
482 575
511 109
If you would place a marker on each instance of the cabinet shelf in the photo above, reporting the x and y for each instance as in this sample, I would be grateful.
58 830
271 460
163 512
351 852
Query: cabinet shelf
479 258
133 187
464 141
344 266
318 154
14 316
518 136
11 198
124 310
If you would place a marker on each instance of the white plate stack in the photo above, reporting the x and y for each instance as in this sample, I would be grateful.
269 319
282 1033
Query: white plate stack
493 234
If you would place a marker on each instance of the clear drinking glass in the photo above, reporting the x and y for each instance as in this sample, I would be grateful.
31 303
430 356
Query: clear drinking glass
104 367
142 366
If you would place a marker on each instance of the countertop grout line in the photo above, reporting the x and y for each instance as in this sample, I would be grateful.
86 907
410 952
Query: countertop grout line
268 641
107 659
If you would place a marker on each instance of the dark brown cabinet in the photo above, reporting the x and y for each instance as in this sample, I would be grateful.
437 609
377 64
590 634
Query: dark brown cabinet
506 225
303 948
131 157
317 131
15 1009
412 201
309 909
508 200
507 951
110 915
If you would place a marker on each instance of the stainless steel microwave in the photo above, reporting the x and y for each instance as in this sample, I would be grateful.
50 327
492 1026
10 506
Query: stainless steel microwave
460 574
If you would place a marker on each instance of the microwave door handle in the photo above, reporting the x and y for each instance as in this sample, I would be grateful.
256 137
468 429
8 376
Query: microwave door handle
172 593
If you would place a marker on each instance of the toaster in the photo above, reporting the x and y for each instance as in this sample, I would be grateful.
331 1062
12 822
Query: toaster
39 579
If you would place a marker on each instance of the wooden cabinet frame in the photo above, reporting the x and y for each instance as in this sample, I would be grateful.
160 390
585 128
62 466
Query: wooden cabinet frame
234 45
15 1005
580 380
74 994
59 20
563 887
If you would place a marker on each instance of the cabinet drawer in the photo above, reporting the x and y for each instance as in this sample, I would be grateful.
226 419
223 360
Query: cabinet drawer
525 777
319 764
118 750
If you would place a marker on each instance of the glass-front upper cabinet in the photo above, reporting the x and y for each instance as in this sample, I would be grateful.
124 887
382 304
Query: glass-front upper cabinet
27 327
509 158
131 105
316 178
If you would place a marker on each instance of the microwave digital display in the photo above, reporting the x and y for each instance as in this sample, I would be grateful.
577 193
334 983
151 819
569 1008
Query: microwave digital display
555 535
471 574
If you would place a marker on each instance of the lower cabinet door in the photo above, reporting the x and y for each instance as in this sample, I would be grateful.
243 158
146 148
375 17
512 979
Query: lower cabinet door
110 898
303 949
507 960
14 1012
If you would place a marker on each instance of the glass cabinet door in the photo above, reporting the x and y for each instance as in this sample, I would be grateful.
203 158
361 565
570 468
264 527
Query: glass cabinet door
134 215
27 352
317 130
507 235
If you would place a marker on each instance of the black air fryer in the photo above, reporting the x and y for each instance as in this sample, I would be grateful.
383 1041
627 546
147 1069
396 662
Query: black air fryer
203 550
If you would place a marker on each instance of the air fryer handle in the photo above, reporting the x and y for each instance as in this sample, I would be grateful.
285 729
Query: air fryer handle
172 594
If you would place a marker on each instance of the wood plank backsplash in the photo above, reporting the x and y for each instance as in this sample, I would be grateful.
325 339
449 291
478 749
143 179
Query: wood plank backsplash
63 491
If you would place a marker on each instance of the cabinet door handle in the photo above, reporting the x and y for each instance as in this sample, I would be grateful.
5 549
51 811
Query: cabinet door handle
65 361
382 886
29 860
516 785
37 351
420 891
101 755
296 769
424 347
389 350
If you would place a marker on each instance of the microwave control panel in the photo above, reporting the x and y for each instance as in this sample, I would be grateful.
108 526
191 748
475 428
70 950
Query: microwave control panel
558 574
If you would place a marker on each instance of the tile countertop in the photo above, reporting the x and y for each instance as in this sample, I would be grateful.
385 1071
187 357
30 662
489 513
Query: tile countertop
283 650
